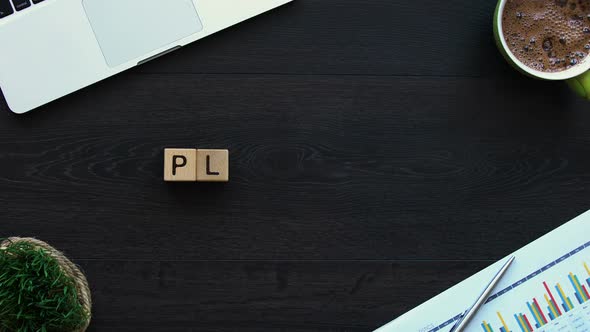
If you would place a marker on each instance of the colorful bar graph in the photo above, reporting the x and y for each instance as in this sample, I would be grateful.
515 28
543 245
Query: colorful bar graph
581 288
540 315
580 300
520 323
540 311
486 327
557 312
562 297
553 309
528 323
523 323
504 326
579 292
551 315
567 303
537 318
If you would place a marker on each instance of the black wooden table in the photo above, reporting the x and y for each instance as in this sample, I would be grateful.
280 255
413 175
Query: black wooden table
381 151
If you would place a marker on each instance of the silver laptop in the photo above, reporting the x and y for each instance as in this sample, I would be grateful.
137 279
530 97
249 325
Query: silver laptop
50 48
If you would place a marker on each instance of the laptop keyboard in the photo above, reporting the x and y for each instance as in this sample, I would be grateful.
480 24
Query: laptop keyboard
8 7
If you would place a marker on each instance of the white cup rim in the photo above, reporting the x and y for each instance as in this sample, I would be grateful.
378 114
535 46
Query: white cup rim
576 70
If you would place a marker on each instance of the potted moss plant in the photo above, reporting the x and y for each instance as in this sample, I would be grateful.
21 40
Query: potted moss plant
40 289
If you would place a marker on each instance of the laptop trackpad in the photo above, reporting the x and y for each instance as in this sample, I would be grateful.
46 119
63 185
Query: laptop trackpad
129 29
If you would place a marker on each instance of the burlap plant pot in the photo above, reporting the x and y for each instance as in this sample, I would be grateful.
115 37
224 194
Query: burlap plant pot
69 268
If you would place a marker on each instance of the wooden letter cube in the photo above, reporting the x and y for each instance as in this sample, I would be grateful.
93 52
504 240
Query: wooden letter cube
212 165
180 165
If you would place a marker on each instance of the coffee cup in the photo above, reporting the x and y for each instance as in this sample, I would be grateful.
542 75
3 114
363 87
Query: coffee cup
577 76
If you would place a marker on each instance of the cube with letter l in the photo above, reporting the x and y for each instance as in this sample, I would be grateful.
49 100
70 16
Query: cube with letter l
212 165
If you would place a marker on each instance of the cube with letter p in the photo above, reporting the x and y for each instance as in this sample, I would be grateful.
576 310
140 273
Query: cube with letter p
180 165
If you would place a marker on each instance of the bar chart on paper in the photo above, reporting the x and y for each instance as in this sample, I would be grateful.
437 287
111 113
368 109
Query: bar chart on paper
539 304
553 298
546 289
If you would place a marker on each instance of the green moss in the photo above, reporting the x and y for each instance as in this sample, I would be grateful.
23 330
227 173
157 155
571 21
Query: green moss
35 294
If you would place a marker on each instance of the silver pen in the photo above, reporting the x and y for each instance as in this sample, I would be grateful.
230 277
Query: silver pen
468 315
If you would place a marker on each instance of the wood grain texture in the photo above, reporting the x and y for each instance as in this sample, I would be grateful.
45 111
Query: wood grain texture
343 37
356 164
261 295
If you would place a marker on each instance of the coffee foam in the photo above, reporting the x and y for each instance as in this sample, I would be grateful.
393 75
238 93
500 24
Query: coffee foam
547 35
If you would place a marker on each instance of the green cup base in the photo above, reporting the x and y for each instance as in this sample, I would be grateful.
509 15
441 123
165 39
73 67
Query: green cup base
581 85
